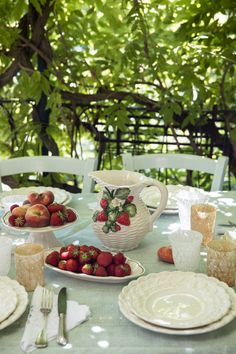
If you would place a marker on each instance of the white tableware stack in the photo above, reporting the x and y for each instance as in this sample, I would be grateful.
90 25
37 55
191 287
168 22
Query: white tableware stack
13 301
179 303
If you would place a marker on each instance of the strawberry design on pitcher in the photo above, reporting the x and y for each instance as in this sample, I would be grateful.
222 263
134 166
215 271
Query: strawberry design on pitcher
117 209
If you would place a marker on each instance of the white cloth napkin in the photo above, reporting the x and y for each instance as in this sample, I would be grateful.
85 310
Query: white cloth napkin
75 315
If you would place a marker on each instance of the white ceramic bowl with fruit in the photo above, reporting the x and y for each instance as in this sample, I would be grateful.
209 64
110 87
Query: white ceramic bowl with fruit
40 216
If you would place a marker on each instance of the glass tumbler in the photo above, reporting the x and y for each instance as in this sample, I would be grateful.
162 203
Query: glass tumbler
203 219
5 254
221 256
29 264
185 199
186 246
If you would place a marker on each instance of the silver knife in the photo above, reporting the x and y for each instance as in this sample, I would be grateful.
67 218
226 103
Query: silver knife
61 335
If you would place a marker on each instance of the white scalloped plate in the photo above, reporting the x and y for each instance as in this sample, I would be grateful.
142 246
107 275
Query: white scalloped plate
181 307
137 270
126 309
22 301
61 196
8 301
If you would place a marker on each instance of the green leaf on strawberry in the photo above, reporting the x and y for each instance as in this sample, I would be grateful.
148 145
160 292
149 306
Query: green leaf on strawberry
105 229
114 228
95 215
112 215
122 193
131 209
106 195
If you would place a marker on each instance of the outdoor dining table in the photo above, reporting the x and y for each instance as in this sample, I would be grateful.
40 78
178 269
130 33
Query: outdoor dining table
107 330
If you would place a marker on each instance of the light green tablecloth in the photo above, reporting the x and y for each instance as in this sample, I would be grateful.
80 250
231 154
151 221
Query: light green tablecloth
108 331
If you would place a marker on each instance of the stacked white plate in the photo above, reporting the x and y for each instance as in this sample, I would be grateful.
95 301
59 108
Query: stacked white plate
182 303
19 195
13 301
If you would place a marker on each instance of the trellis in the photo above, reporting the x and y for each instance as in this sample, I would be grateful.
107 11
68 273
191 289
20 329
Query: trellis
147 133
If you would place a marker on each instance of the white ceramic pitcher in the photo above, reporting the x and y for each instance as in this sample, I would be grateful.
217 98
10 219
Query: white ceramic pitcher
122 219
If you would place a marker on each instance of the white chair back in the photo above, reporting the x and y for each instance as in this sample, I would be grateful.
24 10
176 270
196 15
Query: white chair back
55 164
180 161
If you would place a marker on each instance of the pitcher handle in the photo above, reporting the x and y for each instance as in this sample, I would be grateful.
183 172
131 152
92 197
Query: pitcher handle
163 202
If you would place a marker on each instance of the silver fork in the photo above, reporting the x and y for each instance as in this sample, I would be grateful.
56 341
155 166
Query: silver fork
46 307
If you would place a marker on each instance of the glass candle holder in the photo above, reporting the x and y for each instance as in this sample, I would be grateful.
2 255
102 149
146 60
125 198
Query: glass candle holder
29 264
221 255
203 219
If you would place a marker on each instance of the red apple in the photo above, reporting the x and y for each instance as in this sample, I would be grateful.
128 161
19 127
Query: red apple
44 198
37 216
18 211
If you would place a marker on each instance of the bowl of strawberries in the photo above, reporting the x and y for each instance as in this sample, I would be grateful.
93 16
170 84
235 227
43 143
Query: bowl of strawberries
93 264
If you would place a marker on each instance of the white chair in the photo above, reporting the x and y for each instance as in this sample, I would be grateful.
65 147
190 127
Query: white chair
179 161
55 164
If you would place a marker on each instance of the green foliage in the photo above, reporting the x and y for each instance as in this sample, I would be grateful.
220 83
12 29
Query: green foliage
179 55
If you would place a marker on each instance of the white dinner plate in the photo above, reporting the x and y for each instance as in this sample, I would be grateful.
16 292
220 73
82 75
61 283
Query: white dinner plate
136 271
22 300
227 318
8 301
151 197
178 305
8 197
37 229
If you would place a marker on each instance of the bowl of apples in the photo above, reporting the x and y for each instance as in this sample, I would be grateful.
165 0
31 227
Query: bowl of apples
41 216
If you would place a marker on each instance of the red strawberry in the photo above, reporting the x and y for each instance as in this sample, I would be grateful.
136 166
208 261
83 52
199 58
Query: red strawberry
84 248
103 203
119 258
94 248
57 219
111 269
72 265
117 227
11 220
65 255
73 251
62 265
93 253
54 207
84 257
130 198
87 269
18 221
121 270
104 258
165 254
63 249
70 215
53 258
101 216
13 206
100 271
123 219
